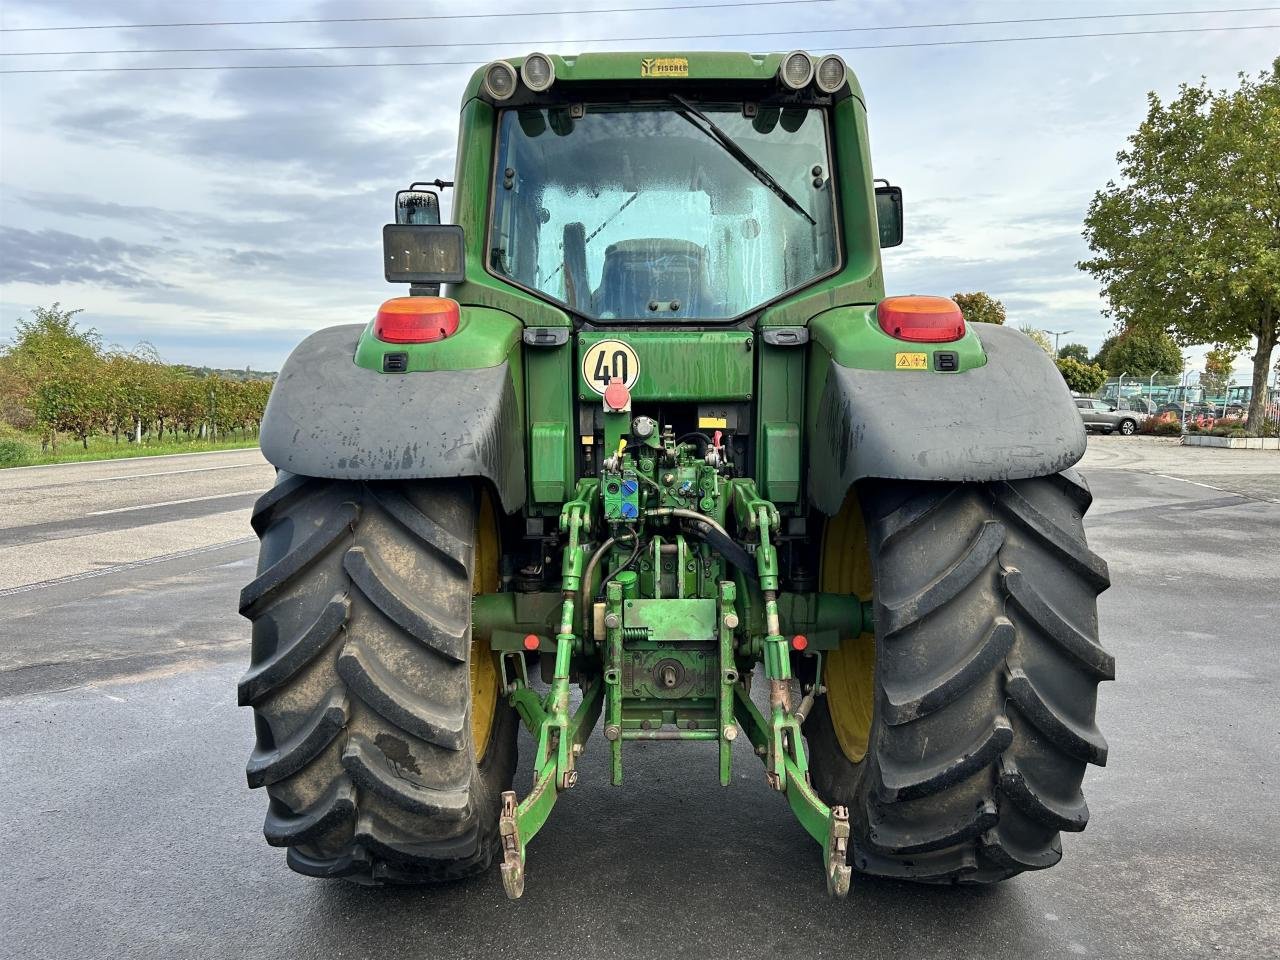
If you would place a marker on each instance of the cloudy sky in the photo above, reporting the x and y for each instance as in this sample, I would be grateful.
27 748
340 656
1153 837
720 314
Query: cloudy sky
224 214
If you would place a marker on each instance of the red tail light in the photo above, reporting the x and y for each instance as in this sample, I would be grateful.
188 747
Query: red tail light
416 319
921 319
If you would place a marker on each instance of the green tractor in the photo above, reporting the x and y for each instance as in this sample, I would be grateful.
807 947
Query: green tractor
665 440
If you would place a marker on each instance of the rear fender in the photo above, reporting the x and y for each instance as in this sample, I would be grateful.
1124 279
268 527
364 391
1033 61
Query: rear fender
1011 418
328 417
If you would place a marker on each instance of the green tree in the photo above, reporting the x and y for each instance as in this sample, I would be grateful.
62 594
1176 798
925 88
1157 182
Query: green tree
1076 351
47 348
74 403
1039 336
1217 371
980 307
1081 377
170 401
1140 352
57 378
1189 241
132 384
259 392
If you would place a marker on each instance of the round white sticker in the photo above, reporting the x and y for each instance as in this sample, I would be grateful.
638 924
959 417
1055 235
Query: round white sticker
606 360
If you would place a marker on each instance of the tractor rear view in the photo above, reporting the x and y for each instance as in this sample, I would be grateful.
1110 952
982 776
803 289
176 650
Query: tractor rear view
664 439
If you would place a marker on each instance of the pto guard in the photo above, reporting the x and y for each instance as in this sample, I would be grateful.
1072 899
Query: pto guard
1010 419
329 418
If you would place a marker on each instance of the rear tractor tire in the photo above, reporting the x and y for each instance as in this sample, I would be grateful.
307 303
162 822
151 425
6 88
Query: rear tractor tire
382 739
958 735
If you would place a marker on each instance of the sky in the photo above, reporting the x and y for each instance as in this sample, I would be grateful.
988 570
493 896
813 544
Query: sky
222 215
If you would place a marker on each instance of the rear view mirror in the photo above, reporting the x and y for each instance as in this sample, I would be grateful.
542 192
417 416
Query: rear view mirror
889 213
423 253
417 206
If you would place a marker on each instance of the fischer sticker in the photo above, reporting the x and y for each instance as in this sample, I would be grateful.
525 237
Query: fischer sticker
607 359
661 67
911 361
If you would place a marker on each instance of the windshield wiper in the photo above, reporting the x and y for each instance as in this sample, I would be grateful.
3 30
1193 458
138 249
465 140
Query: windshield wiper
689 112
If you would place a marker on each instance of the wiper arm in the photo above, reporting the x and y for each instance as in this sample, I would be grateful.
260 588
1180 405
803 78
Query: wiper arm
689 112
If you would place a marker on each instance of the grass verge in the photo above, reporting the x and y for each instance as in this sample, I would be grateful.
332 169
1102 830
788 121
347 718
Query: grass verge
16 452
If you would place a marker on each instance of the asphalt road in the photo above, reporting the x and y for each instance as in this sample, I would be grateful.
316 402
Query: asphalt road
129 832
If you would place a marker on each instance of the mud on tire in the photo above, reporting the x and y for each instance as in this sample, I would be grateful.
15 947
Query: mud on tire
360 686
986 670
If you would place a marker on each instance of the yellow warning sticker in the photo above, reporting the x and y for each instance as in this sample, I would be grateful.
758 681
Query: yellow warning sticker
911 361
660 67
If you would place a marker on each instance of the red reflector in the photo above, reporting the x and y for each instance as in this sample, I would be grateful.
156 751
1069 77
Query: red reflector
530 642
416 319
799 642
921 319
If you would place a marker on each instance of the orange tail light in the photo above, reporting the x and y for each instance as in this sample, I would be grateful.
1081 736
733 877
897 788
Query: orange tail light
416 319
921 319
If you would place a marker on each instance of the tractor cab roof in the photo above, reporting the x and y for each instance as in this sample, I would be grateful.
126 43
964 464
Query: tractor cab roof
752 75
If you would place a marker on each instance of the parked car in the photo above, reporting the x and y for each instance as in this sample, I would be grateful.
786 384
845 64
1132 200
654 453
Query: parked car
1100 415
1140 407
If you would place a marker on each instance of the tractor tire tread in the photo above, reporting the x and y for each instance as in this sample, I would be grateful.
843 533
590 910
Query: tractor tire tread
1071 815
283 828
983 723
936 594
269 583
273 764
359 681
445 637
904 703
289 659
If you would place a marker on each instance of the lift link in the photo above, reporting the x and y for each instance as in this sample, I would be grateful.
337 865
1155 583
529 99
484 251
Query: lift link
613 678
786 766
560 736
726 624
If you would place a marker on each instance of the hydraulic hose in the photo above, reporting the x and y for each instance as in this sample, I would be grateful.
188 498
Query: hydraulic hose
707 529
584 590
715 535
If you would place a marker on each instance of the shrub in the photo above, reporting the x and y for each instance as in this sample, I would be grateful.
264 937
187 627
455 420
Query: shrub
1226 427
13 453
1161 425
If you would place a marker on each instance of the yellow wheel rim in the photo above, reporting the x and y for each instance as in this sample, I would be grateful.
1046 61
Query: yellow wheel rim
849 672
484 662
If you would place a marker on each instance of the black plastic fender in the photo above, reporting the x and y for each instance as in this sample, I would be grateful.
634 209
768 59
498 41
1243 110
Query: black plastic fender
328 417
1009 419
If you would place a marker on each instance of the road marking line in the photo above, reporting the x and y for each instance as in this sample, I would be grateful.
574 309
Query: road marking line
117 567
1209 486
170 473
171 503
